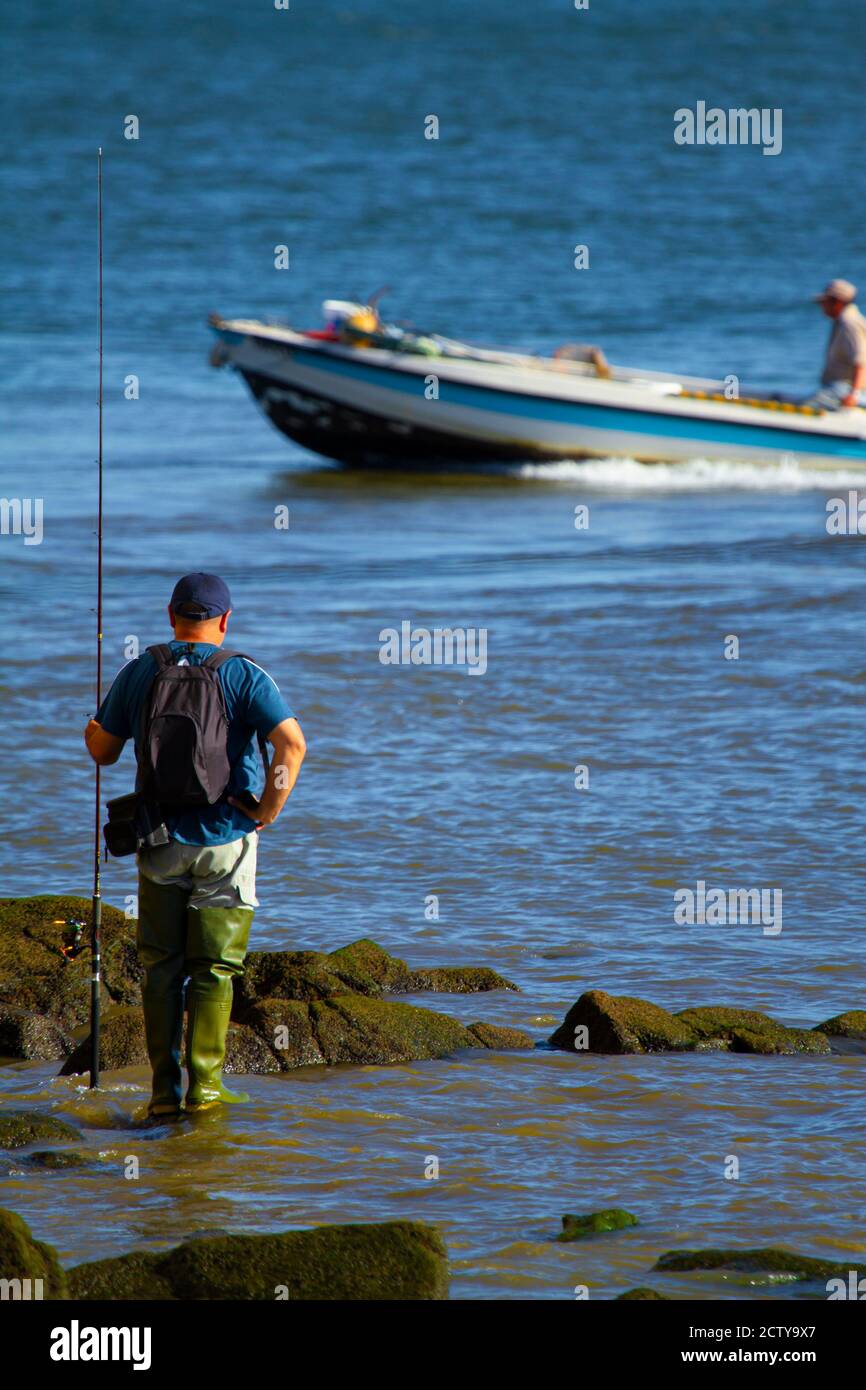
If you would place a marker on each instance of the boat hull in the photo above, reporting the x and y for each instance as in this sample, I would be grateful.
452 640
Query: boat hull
380 409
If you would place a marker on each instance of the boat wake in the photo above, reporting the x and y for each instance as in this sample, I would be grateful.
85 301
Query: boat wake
694 475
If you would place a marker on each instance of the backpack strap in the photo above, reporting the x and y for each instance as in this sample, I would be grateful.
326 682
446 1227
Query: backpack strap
162 655
213 663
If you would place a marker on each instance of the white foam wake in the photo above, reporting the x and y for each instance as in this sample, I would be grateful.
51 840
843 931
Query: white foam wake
695 475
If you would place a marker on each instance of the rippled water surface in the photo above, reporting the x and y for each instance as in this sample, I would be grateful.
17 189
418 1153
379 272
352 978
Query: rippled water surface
605 645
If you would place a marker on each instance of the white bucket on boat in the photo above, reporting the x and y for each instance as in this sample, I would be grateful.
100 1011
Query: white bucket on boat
337 311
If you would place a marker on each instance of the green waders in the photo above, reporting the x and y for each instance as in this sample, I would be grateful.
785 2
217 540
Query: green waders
208 945
162 949
216 946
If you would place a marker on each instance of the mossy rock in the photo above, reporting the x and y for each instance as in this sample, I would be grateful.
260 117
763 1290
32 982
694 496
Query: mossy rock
595 1223
352 1028
848 1025
32 1037
458 979
643 1292
18 1128
36 976
395 1260
619 1024
747 1030
768 1260
56 1159
122 1043
284 1026
301 975
363 968
366 960
499 1038
247 1054
135 1276
22 1257
787 1041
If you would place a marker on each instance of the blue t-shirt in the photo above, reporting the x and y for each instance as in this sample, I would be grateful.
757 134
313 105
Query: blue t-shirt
254 706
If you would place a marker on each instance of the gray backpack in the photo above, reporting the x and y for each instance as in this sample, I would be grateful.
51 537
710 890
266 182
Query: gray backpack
183 748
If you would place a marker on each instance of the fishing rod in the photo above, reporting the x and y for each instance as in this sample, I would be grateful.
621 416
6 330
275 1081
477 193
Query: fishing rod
96 922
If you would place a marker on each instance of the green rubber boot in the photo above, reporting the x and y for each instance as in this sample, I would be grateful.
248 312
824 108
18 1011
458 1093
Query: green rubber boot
161 940
216 946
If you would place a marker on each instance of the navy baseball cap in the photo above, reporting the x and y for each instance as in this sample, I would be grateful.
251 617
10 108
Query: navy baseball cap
201 596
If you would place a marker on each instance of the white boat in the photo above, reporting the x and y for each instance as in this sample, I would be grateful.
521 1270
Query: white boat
388 398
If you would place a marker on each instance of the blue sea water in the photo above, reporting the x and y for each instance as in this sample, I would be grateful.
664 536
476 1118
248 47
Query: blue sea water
606 647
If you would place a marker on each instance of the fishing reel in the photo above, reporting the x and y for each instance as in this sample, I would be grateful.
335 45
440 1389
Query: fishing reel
72 937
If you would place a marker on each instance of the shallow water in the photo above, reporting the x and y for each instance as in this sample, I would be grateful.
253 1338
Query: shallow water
605 646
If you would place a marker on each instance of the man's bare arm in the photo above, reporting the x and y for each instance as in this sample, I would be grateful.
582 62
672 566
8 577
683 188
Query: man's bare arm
289 748
857 385
103 748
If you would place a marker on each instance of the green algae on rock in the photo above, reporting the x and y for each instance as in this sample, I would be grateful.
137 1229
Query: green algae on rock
606 1023
746 1030
34 973
360 968
122 1043
18 1128
768 1260
595 1223
601 1022
393 1260
57 1159
31 1037
275 1035
848 1025
23 1258
500 1038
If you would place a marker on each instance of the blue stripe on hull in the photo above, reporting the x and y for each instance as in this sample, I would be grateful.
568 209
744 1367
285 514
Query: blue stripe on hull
623 419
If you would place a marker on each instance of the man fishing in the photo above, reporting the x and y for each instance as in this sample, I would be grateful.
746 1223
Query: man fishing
195 715
844 375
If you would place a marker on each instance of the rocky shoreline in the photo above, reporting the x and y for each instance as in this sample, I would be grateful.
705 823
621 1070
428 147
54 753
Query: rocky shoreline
390 1260
291 1008
310 1008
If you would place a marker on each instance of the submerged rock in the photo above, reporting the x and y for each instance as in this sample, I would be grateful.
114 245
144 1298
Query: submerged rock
459 979
282 1034
315 998
501 1039
769 1260
607 1023
361 968
643 1292
122 1043
595 1223
34 973
394 1260
56 1159
746 1030
23 1258
19 1128
849 1025
619 1024
32 1037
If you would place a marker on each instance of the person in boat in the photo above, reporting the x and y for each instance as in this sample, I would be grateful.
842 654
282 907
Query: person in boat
844 375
